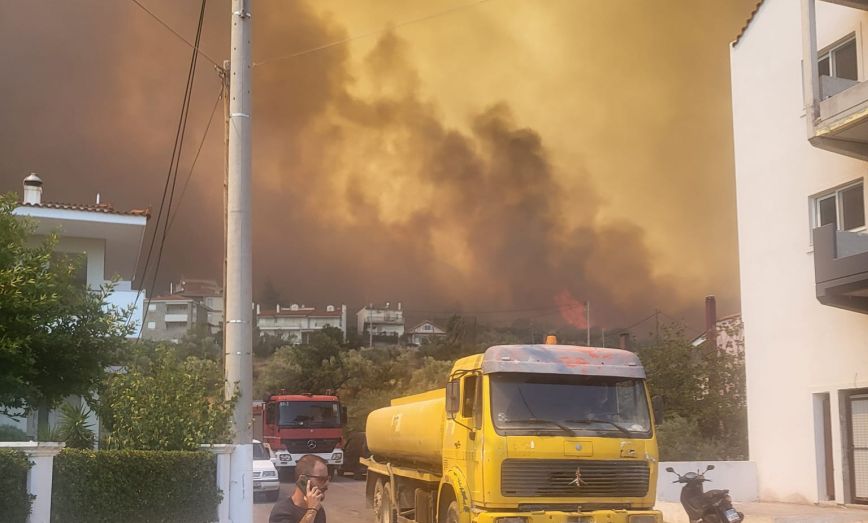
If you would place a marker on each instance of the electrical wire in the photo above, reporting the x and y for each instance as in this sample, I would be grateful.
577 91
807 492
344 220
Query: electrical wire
369 34
195 47
172 175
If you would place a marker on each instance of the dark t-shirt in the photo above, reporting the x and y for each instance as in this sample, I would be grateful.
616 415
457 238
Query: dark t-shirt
285 511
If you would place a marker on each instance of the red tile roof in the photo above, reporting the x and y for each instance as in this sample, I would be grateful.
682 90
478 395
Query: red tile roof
747 23
105 208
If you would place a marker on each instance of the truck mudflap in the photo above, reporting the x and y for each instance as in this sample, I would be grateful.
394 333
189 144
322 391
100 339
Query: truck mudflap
596 516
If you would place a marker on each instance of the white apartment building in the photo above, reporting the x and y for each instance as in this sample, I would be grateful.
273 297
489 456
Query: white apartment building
381 321
296 323
800 122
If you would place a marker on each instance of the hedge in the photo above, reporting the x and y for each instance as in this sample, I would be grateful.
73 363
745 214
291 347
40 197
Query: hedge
14 501
134 486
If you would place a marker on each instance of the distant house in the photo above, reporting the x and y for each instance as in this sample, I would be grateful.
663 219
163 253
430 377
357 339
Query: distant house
296 323
424 333
106 240
729 329
209 294
381 322
169 318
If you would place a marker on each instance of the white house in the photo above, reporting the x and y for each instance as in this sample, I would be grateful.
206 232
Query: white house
381 321
169 318
800 122
107 241
425 332
296 323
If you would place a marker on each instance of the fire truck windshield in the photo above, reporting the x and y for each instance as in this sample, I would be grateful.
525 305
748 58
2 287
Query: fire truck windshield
324 414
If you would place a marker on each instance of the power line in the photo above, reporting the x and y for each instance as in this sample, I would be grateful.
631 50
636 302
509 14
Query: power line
195 47
370 33
172 175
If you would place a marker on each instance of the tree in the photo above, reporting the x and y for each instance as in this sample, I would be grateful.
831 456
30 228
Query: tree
703 388
56 335
164 402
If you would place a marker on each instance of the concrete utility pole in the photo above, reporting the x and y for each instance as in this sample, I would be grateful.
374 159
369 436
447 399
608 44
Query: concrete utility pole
239 273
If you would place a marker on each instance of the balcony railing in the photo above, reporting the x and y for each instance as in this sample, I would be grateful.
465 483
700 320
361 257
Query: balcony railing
841 268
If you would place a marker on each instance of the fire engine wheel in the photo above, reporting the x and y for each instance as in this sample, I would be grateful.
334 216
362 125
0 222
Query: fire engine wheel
388 514
452 513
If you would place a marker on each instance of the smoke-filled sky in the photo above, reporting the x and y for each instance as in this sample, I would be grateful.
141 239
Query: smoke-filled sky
509 154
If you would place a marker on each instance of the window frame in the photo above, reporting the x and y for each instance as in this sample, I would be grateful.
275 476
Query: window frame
829 52
836 192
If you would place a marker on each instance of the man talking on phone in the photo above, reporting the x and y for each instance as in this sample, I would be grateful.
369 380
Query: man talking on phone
305 503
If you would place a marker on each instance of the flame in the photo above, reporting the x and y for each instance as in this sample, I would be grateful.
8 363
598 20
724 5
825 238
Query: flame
572 310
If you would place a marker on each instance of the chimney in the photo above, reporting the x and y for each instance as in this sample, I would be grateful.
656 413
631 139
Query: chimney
387 305
399 305
278 308
624 341
710 313
257 309
33 189
171 288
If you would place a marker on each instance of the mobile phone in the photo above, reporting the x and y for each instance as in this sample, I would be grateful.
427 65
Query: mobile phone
302 484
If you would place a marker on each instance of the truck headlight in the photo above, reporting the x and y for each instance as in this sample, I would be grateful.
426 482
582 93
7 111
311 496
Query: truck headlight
285 457
511 519
338 456
648 518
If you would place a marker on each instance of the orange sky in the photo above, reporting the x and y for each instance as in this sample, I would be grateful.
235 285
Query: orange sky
489 158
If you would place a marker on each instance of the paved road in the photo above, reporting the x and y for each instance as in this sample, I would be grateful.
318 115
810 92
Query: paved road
344 503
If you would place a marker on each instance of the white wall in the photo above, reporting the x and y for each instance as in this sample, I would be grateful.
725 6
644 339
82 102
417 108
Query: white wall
794 346
738 476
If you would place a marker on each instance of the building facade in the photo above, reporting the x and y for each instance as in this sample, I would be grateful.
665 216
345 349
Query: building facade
425 332
106 240
296 323
385 321
800 122
169 318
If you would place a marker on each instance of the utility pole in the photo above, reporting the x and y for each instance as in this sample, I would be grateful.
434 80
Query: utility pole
239 272
588 321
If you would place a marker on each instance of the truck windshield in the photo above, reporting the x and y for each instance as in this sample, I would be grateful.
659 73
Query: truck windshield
324 414
581 405
259 452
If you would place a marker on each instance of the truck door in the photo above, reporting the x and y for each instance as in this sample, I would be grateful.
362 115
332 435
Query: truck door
471 412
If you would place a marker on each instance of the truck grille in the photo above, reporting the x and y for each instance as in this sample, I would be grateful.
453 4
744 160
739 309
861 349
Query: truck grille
309 446
557 478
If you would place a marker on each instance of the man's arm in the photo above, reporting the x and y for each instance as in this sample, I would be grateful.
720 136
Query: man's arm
309 516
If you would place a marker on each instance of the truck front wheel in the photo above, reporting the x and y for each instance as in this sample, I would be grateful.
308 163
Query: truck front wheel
387 514
452 513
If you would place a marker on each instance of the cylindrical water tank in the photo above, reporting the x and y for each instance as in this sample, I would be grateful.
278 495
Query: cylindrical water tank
410 430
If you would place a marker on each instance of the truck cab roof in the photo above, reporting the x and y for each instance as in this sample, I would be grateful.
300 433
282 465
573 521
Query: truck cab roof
555 359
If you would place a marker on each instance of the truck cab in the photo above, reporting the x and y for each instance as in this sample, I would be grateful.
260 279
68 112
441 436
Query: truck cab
297 424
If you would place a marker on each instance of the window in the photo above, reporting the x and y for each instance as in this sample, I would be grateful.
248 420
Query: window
152 325
840 60
469 397
844 208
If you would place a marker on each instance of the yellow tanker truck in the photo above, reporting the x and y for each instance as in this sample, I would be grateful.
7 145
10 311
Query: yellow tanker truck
522 433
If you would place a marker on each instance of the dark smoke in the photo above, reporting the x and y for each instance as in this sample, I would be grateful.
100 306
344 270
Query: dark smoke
362 192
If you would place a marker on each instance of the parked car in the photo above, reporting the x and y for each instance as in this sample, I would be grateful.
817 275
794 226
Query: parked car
265 479
355 447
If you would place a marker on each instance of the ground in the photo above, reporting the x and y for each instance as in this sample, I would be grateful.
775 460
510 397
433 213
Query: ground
344 503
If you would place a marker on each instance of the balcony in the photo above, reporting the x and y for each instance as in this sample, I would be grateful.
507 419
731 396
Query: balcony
841 268
836 101
176 318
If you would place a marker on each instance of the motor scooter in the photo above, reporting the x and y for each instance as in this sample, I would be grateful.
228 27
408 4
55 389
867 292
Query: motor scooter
714 506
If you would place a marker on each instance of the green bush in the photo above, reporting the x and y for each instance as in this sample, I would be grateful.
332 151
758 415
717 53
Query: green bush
14 501
10 433
134 486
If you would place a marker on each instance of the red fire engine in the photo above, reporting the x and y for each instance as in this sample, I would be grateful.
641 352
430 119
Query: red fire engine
297 424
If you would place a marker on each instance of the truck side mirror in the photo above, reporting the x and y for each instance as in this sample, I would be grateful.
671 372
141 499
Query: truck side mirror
657 406
344 416
453 397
